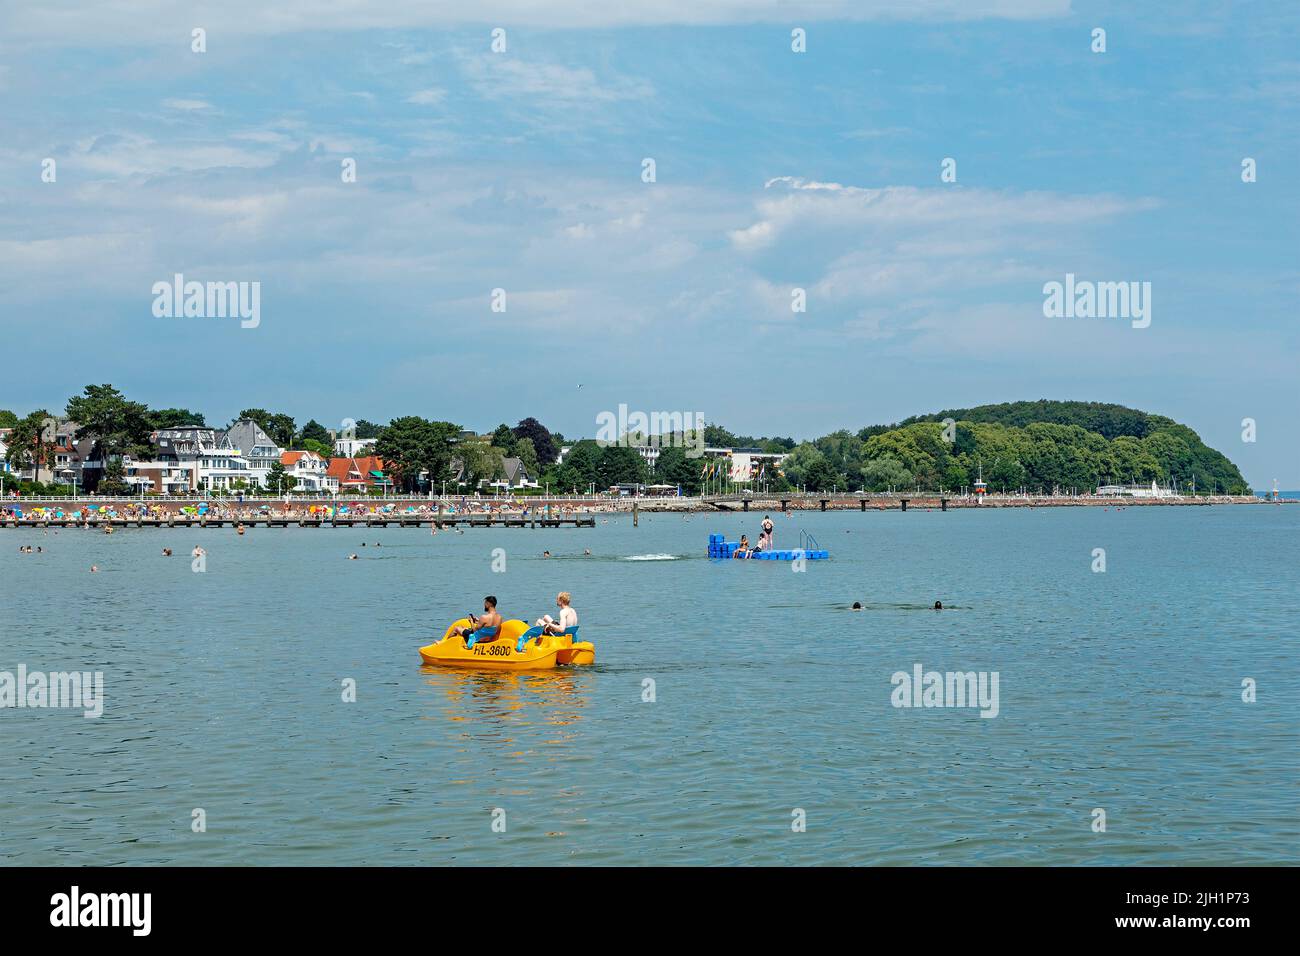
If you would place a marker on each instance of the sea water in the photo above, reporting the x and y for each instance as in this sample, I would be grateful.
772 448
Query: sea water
273 709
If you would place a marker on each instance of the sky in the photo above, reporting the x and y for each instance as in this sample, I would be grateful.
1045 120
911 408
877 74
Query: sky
523 169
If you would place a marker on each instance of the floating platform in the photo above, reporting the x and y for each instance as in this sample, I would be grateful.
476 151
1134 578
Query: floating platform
720 549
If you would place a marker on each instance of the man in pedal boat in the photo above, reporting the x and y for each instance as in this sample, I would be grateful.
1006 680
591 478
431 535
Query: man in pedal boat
568 616
490 619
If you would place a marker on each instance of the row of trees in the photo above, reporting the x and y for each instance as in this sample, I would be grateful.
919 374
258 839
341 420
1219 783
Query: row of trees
1042 446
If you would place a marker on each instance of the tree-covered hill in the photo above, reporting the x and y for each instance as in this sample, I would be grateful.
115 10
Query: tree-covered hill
1040 446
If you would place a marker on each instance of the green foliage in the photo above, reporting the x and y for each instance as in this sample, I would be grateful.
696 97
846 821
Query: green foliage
367 429
581 467
715 436
674 468
1042 446
176 418
505 439
619 465
482 461
527 454
1014 451
7 418
324 449
315 431
279 426
410 445
120 426
112 482
26 445
542 442
278 480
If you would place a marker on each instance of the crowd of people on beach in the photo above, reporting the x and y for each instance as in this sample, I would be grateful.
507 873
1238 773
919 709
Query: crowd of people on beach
82 513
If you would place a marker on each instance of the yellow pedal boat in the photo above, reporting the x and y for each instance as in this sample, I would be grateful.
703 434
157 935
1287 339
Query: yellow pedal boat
515 648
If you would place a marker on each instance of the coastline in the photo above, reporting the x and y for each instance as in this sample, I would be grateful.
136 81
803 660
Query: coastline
200 512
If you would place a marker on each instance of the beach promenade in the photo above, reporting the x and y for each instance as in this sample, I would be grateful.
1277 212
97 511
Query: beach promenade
521 512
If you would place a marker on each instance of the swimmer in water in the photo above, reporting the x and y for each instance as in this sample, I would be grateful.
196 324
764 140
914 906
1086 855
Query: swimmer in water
938 605
167 552
94 568
352 557
546 554
857 606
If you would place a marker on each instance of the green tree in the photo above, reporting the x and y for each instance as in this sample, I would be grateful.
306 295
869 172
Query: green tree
176 418
118 425
505 439
324 449
527 454
278 480
821 475
481 461
581 466
545 447
113 481
278 425
411 445
26 443
316 432
7 418
674 468
884 474
620 465
367 429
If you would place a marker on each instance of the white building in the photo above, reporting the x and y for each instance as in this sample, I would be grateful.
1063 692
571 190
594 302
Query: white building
309 472
214 463
1135 491
256 447
353 447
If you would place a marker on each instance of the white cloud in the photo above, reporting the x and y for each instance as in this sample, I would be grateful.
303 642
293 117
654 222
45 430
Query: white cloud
794 205
122 155
187 105
429 97
498 77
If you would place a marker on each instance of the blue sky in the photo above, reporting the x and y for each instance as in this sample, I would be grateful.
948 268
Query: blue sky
522 170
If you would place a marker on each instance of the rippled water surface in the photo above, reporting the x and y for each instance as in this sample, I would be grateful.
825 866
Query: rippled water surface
1119 691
